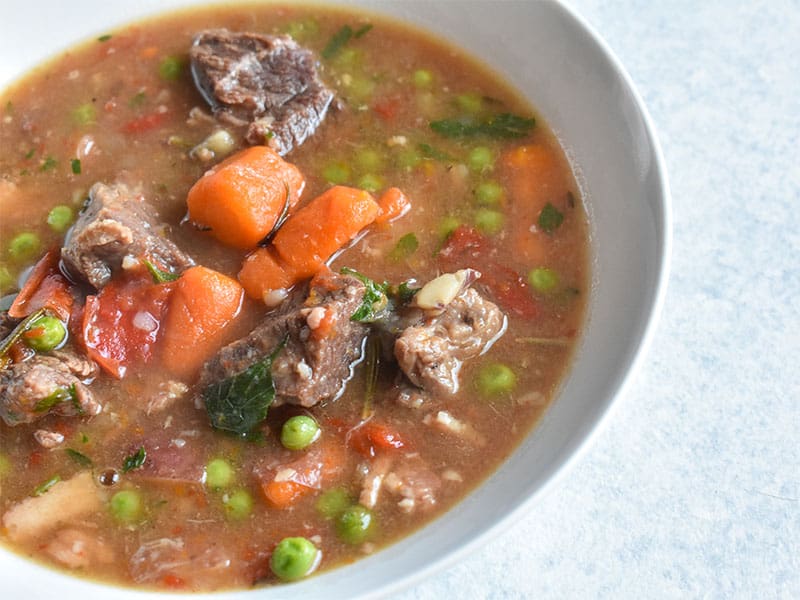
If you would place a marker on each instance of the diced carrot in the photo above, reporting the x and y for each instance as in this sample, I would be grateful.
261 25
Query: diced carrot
308 239
145 123
45 288
319 229
202 305
372 437
263 272
534 178
283 494
393 204
242 198
149 52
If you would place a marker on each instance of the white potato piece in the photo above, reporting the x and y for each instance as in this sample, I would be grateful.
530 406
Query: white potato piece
62 503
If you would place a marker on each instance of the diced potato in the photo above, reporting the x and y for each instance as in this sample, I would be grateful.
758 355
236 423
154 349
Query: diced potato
62 503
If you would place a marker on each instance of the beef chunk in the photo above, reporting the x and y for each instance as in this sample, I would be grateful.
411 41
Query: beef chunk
431 353
116 223
46 384
322 343
268 82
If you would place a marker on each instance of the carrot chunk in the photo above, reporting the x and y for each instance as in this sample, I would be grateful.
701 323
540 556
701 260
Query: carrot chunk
318 230
393 204
308 239
202 306
263 272
283 494
242 198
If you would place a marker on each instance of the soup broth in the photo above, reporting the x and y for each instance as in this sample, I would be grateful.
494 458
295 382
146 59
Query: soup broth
147 492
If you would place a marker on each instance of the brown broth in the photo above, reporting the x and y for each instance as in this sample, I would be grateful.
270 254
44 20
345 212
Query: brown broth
119 79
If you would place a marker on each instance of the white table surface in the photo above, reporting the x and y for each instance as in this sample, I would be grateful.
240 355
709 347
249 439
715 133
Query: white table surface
693 490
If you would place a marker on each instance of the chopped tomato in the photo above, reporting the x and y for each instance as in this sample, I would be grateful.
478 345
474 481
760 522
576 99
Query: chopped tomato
387 108
371 438
121 324
46 287
145 123
466 247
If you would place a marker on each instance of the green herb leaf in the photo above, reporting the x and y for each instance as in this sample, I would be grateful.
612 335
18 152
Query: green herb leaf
337 42
137 99
79 458
405 247
45 486
158 275
241 402
375 300
134 461
30 153
104 38
76 166
49 163
429 151
550 218
502 126
362 30
57 397
405 293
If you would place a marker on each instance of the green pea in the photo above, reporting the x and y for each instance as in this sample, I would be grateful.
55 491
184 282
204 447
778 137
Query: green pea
480 159
238 504
45 333
25 246
448 225
336 173
496 379
422 78
489 193
299 432
7 280
489 222
369 160
219 474
355 525
333 503
170 68
370 182
126 506
85 114
543 279
408 158
294 558
470 103
60 217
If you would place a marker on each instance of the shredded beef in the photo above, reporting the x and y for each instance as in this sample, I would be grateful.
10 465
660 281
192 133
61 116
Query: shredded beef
267 82
322 343
117 222
28 389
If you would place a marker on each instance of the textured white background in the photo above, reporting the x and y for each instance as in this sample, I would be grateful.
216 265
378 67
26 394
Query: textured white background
693 491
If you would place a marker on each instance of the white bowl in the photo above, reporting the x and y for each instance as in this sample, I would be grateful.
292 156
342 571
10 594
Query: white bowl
582 91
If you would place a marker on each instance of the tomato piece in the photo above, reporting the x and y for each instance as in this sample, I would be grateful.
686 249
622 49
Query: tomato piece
46 287
387 108
466 247
121 324
145 123
373 437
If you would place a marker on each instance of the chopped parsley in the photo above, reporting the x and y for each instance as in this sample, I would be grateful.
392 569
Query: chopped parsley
134 461
76 166
338 41
48 164
104 38
65 394
79 458
45 486
158 275
502 126
375 300
550 218
362 30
